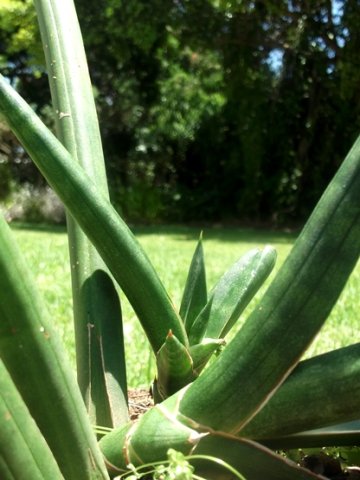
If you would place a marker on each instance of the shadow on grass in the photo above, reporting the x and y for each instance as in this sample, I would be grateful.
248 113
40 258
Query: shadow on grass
219 233
185 233
38 227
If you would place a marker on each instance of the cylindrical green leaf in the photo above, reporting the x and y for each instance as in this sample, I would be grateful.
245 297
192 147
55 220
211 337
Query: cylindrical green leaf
297 303
24 452
36 361
118 247
163 427
309 398
97 313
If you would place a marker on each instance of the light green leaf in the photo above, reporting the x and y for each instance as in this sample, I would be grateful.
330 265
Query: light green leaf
202 352
232 294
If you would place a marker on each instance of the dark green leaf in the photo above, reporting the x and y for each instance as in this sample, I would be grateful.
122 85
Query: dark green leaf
309 398
252 460
96 303
293 309
343 434
195 292
24 452
34 357
163 427
114 241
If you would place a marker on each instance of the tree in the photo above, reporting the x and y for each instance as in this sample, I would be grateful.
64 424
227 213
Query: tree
212 109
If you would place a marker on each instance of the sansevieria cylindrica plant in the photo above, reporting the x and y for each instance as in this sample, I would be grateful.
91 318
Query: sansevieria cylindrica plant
252 398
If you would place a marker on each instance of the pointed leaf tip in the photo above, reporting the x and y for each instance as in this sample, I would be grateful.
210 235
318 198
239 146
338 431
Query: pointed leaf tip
174 367
195 291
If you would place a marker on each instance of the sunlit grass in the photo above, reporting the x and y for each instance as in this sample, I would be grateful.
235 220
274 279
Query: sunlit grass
170 249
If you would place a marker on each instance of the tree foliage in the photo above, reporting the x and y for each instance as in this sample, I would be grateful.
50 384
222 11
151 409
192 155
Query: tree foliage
211 109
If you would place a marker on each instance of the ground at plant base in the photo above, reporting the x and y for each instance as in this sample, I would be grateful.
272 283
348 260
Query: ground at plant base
140 400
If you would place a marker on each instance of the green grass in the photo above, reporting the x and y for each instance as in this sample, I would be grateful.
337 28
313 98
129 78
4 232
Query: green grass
170 249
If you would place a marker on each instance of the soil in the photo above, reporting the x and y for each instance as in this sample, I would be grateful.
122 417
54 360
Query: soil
140 400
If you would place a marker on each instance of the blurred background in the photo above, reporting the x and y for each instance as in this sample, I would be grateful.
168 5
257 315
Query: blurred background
210 110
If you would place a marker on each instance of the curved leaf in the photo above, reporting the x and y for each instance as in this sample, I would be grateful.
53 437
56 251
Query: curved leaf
343 434
163 427
309 398
293 309
252 460
114 241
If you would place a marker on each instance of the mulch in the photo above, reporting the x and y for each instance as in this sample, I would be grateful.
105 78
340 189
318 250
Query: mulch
140 400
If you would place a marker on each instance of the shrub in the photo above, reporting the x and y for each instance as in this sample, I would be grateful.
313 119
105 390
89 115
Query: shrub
34 204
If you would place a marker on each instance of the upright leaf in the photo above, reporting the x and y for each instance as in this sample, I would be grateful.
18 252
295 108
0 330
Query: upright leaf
36 361
97 314
174 368
23 450
195 292
201 352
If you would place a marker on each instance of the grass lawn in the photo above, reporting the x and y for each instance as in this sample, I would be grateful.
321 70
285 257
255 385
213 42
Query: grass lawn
170 249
